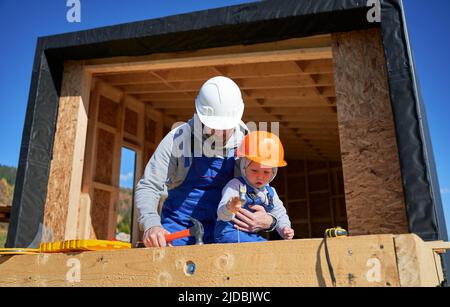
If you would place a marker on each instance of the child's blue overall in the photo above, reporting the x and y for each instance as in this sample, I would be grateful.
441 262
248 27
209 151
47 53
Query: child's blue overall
225 231
198 196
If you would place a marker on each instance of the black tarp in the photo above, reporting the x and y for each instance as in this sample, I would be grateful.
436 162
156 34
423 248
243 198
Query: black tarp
251 23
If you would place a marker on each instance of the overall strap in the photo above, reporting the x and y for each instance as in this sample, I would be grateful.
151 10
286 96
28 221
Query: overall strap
270 195
187 160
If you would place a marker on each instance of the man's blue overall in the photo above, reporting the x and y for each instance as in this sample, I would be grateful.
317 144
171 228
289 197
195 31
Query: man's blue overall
198 196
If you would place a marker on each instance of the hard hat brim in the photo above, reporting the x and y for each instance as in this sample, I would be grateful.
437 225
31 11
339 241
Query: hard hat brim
265 162
219 122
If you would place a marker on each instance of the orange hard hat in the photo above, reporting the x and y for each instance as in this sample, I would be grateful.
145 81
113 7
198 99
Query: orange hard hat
264 148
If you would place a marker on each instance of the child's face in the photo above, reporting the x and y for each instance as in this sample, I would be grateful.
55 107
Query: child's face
258 175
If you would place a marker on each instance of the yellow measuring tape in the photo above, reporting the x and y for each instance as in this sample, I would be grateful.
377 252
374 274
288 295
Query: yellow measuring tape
68 246
18 251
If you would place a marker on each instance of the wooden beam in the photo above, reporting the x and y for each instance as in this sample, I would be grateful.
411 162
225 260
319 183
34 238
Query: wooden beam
157 62
288 50
357 261
84 213
109 91
319 90
249 103
439 247
319 70
416 262
291 92
64 184
300 81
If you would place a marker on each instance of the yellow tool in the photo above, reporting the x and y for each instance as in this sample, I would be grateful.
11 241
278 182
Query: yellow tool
68 246
336 232
82 245
332 233
18 251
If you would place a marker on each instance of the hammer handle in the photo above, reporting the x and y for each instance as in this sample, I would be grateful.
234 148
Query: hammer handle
177 235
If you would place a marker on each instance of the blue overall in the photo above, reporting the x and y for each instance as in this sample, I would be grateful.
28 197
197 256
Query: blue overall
198 196
225 231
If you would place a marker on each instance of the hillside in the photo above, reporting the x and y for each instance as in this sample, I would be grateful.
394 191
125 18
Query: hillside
9 173
124 210
7 181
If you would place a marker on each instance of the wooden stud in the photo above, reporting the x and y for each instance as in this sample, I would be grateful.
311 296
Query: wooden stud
84 214
64 184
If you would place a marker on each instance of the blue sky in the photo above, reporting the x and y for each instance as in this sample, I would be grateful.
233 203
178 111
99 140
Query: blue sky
21 22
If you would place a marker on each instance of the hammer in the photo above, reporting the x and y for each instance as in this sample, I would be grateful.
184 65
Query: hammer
195 231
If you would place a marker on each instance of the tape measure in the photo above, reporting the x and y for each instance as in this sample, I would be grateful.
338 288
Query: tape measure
332 233
67 246
336 232
19 251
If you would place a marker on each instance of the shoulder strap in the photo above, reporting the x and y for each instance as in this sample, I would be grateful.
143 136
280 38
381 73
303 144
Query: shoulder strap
187 160
270 195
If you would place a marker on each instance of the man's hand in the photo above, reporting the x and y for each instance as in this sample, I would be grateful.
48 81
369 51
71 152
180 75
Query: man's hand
252 221
154 237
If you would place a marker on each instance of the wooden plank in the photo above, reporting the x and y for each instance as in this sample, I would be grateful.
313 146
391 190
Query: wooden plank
319 113
156 62
288 50
84 213
290 92
321 71
109 91
291 102
277 69
357 261
104 187
416 262
64 184
373 185
300 81
439 247
106 127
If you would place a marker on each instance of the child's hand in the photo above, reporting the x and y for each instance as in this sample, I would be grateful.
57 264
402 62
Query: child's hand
234 205
287 233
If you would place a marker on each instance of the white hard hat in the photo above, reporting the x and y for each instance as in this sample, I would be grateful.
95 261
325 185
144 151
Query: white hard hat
219 104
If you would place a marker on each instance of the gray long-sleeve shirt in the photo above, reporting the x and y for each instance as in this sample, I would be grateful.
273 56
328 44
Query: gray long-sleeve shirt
232 190
167 169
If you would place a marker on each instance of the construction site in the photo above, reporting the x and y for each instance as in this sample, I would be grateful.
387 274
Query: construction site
344 92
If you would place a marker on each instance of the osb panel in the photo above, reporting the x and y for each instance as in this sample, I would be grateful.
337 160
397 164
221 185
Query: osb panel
104 159
107 112
100 212
67 126
373 187
131 122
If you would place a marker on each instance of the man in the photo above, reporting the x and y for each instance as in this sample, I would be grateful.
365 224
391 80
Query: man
193 163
